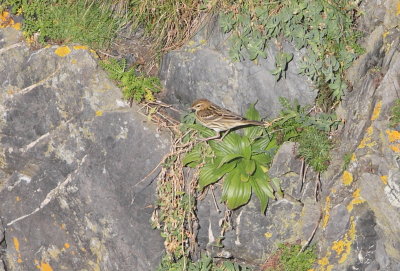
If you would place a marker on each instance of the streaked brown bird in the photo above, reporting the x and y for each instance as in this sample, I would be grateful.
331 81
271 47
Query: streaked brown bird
219 119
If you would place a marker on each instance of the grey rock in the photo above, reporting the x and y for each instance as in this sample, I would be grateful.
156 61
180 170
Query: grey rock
72 160
203 69
254 235
340 222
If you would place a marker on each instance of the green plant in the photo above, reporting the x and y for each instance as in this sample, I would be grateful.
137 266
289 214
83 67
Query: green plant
241 160
325 28
80 21
346 160
314 148
291 259
395 114
204 264
134 87
310 131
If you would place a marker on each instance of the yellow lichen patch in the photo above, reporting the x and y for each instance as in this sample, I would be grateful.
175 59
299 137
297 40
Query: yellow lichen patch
268 235
398 8
353 157
327 211
80 47
17 198
323 261
367 140
385 34
62 51
74 61
16 243
6 20
343 247
357 199
347 178
393 135
377 110
66 245
17 26
99 113
395 148
44 267
384 179
94 53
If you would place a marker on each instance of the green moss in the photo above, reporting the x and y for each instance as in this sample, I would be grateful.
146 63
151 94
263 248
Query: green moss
395 114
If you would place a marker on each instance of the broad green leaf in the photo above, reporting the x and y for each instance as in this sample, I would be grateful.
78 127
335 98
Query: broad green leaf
249 166
229 145
229 157
261 143
235 192
262 158
276 183
204 131
259 183
194 155
245 147
253 132
210 174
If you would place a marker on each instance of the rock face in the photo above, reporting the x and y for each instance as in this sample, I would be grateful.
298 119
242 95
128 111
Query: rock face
203 69
72 157
360 203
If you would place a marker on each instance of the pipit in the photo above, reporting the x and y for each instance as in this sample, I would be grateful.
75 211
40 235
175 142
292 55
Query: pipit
219 119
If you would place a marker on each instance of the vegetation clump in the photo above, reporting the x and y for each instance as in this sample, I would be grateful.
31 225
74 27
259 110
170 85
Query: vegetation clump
395 114
135 86
289 257
79 21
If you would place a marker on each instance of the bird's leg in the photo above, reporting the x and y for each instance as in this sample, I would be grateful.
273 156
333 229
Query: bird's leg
226 132
218 135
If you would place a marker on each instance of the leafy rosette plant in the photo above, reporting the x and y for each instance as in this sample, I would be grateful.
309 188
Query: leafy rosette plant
241 161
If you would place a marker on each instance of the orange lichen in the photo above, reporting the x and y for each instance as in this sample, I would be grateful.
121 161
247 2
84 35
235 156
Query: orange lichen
62 51
347 178
80 47
398 8
367 140
7 21
99 113
343 247
384 179
327 210
395 148
393 135
17 198
323 261
357 199
377 110
66 245
16 243
44 267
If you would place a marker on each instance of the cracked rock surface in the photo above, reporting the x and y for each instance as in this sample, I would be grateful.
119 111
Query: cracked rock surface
72 156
